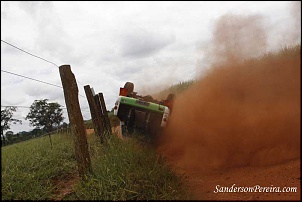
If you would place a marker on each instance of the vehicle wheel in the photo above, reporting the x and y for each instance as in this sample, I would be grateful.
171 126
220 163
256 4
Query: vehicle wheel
122 128
129 123
170 99
148 98
171 96
130 87
126 131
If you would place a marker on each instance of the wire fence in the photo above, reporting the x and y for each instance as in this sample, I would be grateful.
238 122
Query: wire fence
38 80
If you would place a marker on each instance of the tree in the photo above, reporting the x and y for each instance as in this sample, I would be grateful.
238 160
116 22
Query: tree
36 132
9 136
45 115
6 119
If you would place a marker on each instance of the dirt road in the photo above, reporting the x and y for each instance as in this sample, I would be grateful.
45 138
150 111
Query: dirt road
203 187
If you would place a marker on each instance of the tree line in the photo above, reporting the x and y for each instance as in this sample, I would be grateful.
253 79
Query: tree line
45 116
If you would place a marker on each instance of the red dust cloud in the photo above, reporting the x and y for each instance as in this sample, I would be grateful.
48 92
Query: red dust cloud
240 113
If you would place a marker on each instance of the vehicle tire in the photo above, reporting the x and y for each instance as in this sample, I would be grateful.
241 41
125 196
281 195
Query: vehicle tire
123 128
171 96
130 87
126 131
129 123
148 98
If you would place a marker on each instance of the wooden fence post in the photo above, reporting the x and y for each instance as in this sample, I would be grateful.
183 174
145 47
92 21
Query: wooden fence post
50 140
105 113
76 119
99 111
96 119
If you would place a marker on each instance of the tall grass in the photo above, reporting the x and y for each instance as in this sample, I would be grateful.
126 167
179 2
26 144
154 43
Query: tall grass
29 168
127 170
121 170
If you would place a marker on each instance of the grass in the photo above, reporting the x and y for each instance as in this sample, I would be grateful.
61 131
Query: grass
28 168
121 170
175 89
128 170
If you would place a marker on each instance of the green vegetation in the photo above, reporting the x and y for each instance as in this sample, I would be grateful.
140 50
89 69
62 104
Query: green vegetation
122 169
89 124
128 169
44 114
46 117
175 89
29 169
11 138
287 53
114 120
6 120
180 87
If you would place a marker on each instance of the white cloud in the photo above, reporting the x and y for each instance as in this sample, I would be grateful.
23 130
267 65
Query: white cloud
142 43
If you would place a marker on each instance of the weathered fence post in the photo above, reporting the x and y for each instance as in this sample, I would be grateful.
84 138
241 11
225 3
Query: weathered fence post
76 119
49 135
96 119
105 113
99 112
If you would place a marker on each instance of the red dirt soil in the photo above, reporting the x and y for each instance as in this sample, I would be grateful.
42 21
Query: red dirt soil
89 131
203 186
240 124
64 187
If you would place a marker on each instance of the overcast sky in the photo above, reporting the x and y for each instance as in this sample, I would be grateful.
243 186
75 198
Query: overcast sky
152 44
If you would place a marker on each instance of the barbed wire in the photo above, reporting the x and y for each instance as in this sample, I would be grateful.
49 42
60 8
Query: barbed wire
35 80
29 53
4 106
31 78
40 82
37 57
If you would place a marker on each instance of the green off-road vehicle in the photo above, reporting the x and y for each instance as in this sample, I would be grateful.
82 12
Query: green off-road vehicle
144 113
